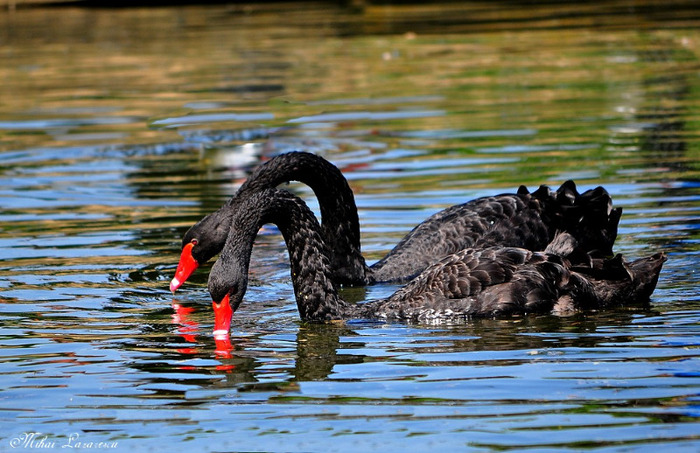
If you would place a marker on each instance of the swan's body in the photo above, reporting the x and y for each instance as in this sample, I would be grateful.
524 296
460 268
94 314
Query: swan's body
523 219
493 281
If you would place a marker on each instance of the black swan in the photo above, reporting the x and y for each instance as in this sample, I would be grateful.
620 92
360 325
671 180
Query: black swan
523 219
493 281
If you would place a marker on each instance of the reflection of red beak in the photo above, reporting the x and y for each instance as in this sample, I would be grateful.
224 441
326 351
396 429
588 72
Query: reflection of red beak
223 350
185 268
188 327
222 316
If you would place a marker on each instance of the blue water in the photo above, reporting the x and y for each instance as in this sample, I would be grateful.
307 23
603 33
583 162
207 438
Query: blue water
119 128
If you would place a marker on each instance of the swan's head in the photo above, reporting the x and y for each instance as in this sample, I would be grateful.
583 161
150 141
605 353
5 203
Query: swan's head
205 239
227 286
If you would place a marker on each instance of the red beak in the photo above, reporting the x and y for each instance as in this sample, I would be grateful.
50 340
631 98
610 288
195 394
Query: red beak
222 316
185 268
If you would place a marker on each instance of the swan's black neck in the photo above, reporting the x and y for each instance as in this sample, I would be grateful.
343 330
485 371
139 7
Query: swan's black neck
316 294
340 223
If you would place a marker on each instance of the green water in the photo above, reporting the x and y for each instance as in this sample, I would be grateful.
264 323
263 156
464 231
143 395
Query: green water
119 128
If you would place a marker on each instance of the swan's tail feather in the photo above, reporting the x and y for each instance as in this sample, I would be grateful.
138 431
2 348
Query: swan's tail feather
646 273
596 221
589 216
617 282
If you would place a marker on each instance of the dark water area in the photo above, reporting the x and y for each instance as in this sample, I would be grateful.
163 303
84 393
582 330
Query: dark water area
121 127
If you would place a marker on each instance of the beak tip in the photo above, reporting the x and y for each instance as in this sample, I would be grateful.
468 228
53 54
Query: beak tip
221 334
185 267
174 285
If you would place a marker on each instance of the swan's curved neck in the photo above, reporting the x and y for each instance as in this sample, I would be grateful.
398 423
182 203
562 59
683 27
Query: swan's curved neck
316 294
340 223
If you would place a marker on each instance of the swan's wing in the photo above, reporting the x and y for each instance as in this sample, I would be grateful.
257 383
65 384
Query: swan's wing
460 227
493 281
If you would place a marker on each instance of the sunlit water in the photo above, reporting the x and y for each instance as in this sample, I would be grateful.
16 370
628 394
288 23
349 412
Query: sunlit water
121 128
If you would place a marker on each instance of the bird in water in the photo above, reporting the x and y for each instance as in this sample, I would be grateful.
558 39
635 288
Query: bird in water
523 219
474 282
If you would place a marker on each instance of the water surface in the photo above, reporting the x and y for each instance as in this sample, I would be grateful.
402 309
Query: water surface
120 128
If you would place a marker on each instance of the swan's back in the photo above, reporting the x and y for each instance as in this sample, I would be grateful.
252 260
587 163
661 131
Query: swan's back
524 219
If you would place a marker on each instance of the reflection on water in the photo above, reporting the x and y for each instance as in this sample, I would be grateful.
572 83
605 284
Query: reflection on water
119 128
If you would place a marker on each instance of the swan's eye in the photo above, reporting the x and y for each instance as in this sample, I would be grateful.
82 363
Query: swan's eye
194 242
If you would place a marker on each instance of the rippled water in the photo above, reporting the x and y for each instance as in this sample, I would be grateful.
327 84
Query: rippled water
120 128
